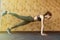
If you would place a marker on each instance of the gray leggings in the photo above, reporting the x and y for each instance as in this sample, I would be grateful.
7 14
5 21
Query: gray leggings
27 19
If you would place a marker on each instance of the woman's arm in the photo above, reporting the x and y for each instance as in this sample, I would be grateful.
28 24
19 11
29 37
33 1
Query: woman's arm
42 25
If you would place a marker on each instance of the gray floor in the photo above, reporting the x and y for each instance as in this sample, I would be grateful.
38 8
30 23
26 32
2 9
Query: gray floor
29 36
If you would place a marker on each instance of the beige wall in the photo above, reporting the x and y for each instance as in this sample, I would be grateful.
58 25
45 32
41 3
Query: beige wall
31 8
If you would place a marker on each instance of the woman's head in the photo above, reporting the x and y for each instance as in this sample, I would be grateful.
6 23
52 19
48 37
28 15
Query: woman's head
47 15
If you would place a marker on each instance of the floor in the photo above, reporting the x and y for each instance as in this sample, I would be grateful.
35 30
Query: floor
29 36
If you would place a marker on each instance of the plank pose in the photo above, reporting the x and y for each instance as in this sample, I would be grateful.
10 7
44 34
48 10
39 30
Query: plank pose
28 19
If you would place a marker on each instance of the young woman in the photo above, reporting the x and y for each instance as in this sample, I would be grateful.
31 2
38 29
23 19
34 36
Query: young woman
29 19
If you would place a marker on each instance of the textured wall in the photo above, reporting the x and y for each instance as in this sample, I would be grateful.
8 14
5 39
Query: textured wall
32 8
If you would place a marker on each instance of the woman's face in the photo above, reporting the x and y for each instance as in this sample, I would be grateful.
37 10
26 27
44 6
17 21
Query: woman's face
47 16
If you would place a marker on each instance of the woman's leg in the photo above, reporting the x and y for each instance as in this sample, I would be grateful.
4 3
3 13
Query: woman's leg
20 24
19 16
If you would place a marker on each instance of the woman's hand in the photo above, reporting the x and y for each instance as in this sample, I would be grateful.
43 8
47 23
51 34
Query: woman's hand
43 34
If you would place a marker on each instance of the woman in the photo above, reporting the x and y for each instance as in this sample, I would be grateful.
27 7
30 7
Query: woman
28 19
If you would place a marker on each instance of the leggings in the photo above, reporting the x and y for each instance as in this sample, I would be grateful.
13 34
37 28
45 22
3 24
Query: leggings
27 19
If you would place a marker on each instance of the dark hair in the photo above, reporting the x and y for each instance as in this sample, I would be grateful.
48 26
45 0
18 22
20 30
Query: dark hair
48 13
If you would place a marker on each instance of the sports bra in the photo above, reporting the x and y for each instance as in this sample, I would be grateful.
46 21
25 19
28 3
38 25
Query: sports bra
39 17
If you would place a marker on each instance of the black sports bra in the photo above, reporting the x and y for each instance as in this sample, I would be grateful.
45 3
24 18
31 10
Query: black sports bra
39 19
